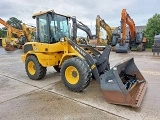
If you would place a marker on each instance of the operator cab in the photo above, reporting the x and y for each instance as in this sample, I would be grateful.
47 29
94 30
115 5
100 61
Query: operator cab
51 27
139 37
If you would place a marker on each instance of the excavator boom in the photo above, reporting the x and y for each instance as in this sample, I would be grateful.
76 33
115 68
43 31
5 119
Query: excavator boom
28 32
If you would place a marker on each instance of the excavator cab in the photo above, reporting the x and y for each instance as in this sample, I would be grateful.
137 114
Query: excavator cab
122 84
115 37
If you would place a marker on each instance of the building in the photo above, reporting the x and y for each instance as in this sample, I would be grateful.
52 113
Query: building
138 28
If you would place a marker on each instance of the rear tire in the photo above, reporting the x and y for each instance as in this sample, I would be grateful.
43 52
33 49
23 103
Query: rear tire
34 69
76 74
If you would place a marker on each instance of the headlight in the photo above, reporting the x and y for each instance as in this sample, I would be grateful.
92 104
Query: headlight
62 39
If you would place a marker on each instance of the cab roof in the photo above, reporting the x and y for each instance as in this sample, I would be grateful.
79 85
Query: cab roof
50 11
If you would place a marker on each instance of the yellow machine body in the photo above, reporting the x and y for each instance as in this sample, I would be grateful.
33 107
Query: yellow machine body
47 56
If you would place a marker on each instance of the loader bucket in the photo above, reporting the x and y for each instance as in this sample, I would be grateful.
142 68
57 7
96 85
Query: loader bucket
9 47
123 84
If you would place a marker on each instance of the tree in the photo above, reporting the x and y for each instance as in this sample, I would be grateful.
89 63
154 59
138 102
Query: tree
2 33
152 29
15 22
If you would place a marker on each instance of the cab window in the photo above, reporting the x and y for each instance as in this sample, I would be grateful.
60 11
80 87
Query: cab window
43 34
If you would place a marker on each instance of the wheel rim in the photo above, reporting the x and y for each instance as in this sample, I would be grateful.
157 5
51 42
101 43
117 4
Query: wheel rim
31 68
72 75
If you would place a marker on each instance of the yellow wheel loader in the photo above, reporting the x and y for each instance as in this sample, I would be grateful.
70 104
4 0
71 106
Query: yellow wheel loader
123 84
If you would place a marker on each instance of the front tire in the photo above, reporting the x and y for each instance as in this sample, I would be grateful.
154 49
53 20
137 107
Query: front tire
75 74
34 69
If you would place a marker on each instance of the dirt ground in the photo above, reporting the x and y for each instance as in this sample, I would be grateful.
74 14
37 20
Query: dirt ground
22 98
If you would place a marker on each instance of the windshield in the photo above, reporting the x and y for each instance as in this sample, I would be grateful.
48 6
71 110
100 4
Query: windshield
59 27
139 36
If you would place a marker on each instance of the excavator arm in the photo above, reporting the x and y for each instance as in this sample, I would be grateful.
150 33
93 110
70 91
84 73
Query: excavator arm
4 23
101 23
28 31
126 20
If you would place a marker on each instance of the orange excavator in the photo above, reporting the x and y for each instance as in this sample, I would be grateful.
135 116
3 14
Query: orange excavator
23 36
136 39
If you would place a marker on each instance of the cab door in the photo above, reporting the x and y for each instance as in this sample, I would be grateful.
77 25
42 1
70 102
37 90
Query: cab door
43 36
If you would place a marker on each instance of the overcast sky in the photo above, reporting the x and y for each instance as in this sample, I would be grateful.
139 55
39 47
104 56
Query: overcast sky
85 10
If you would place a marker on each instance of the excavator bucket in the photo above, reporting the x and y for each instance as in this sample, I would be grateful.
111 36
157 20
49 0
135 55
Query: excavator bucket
122 48
123 84
9 47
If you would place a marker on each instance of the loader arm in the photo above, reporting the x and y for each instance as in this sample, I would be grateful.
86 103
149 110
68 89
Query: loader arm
98 63
77 24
